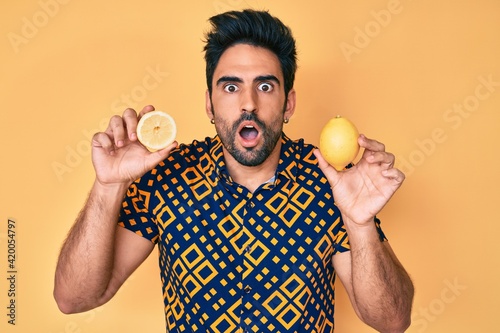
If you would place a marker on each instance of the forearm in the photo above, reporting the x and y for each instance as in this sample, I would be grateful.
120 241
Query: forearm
382 289
85 263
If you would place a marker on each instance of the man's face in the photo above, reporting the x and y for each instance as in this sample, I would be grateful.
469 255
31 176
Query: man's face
248 103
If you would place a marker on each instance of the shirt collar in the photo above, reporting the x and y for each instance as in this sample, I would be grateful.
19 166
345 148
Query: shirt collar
287 165
290 152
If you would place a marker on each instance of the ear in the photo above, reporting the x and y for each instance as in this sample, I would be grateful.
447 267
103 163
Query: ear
290 104
208 105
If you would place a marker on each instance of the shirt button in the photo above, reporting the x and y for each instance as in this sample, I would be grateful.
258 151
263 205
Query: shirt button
247 289
251 204
248 249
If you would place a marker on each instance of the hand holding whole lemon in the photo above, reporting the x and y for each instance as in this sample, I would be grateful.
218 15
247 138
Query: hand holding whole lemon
338 142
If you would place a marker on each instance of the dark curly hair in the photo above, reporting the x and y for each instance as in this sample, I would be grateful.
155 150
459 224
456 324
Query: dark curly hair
258 28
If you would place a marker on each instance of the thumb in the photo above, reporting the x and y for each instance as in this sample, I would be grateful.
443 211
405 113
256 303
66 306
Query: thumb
156 157
329 171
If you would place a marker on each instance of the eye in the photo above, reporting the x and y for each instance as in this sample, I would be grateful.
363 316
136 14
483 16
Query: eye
230 88
265 87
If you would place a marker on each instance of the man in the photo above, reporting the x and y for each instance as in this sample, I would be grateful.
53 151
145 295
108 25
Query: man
252 228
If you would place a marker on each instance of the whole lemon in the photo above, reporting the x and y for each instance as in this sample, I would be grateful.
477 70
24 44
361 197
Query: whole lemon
338 142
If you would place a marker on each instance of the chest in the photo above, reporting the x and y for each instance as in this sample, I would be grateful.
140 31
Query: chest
284 221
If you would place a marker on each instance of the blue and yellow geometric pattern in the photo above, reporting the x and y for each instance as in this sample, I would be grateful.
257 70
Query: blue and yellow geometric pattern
236 261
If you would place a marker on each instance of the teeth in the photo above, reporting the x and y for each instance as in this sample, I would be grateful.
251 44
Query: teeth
248 126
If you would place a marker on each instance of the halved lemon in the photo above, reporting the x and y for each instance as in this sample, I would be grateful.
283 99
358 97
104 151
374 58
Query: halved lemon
156 130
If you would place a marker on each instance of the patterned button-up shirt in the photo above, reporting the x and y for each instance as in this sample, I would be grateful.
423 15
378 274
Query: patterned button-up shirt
236 261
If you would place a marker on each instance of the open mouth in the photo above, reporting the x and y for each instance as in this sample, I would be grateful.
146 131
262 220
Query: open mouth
249 134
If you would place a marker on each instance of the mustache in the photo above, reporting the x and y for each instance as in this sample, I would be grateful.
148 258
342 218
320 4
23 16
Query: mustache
248 116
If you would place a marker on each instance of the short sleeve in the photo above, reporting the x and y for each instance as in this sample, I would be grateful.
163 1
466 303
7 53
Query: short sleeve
135 215
342 239
381 234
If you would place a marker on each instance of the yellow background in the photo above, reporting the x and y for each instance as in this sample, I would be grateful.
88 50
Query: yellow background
400 70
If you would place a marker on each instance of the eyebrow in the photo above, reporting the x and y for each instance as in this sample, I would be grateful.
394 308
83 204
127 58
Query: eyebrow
267 78
259 78
229 79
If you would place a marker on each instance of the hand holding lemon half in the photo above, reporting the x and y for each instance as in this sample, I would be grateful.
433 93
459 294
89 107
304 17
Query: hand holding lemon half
156 130
338 142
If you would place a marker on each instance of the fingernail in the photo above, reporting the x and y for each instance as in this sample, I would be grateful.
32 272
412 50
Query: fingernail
119 143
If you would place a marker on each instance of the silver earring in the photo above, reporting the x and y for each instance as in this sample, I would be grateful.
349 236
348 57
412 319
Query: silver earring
285 120
212 121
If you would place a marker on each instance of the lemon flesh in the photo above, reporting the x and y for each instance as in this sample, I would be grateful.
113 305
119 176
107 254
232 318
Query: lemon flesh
156 130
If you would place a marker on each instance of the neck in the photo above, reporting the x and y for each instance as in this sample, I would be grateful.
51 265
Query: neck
253 176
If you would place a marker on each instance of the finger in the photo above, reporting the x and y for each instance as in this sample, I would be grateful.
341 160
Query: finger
370 144
156 157
394 174
322 163
381 158
146 109
103 140
328 170
130 119
117 131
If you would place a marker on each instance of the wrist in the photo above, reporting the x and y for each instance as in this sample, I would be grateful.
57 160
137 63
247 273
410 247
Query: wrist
110 190
358 223
355 228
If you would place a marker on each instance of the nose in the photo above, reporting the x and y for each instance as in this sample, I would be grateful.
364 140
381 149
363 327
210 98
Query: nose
249 101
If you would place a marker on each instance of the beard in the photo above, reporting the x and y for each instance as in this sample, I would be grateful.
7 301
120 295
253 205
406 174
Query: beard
250 156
